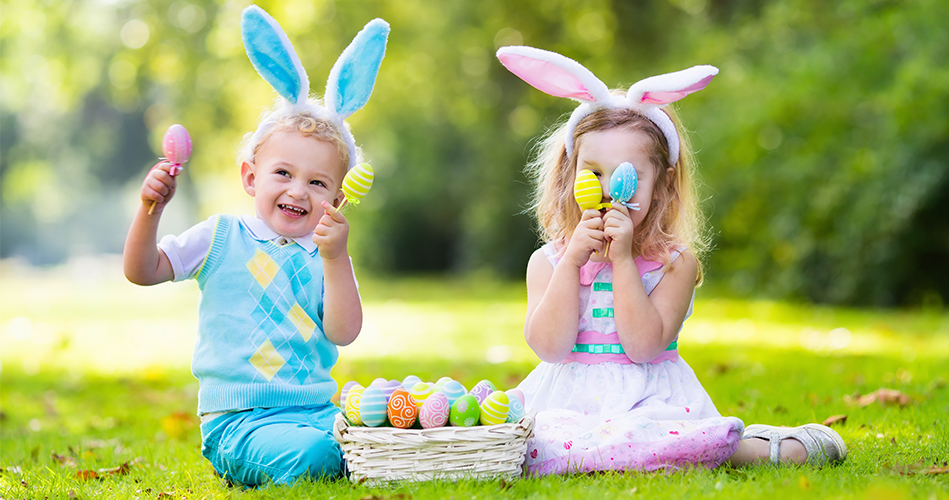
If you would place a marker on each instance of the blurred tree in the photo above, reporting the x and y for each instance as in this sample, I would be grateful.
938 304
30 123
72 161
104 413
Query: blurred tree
823 142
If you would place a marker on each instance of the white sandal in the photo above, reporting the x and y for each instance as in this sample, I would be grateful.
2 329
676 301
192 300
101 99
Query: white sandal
823 444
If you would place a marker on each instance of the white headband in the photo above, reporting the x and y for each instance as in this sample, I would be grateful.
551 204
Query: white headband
561 76
347 89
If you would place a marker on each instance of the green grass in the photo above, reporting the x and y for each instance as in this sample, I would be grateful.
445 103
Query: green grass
95 375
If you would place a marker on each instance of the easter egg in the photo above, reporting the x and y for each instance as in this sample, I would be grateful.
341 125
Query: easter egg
342 394
409 382
401 410
623 182
465 412
390 386
379 382
587 190
357 182
453 390
420 392
495 408
515 406
481 390
434 412
372 406
441 383
518 393
353 401
176 144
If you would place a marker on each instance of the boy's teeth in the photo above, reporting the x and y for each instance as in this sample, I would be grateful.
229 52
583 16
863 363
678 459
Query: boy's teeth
294 209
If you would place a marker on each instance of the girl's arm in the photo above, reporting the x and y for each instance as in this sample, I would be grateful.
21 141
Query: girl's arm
143 262
342 309
553 294
646 324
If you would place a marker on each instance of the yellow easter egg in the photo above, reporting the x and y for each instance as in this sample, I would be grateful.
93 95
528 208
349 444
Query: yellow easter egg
420 392
495 408
587 190
357 182
353 402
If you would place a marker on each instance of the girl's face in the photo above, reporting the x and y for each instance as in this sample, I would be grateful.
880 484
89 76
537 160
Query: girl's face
603 151
291 175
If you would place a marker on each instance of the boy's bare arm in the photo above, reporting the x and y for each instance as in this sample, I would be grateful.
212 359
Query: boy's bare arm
142 260
342 309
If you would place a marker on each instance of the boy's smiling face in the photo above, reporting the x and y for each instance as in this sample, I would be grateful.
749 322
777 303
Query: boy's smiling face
289 178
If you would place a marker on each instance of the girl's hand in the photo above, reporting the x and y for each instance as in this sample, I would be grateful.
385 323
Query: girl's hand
331 233
618 230
587 238
159 186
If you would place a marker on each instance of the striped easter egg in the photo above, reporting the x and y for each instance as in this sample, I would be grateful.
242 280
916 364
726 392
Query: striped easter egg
342 394
420 392
401 410
495 408
353 402
357 182
587 190
389 387
441 383
372 406
435 411
515 406
453 390
379 382
409 382
481 390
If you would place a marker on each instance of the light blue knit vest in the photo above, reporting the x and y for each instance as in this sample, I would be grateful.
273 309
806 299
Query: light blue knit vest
260 333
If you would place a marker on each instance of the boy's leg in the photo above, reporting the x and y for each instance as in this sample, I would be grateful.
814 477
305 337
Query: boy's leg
277 444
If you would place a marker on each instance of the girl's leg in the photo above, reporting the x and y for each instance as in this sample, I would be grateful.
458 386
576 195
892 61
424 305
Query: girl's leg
813 444
756 451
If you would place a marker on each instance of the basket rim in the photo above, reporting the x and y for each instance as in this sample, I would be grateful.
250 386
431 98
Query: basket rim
342 425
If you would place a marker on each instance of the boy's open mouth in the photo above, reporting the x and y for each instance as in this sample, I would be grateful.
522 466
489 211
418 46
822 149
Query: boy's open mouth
292 211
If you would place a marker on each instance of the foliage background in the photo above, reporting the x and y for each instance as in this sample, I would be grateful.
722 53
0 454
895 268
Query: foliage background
823 143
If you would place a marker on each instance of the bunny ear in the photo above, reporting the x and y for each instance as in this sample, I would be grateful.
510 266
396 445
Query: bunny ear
354 74
663 89
272 55
553 73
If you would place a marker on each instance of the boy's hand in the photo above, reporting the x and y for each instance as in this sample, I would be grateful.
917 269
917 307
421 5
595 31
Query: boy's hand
159 186
331 233
618 230
587 238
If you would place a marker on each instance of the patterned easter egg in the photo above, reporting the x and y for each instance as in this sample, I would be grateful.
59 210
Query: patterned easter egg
409 382
465 412
390 386
515 406
434 412
495 408
453 390
379 382
342 394
357 182
587 190
176 144
421 392
372 406
518 393
481 390
623 182
353 401
441 383
401 409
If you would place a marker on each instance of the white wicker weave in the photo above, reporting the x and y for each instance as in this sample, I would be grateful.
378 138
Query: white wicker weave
384 454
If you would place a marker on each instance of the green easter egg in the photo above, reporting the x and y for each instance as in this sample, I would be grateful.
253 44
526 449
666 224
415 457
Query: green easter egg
465 412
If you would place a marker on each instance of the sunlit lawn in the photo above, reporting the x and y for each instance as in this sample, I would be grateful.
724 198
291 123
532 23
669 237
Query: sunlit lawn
95 375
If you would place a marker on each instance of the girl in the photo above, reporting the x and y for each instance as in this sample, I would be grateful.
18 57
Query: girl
608 293
278 292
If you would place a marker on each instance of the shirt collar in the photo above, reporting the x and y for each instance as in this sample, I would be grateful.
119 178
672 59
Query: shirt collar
260 231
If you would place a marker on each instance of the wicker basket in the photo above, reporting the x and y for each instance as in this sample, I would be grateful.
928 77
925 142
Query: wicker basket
383 454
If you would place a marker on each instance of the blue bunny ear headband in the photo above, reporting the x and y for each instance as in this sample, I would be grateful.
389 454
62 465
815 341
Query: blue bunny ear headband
347 89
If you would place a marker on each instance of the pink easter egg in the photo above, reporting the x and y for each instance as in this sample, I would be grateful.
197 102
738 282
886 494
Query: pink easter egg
176 145
434 412
519 394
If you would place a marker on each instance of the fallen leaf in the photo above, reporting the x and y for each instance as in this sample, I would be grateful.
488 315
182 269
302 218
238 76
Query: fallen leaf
886 397
178 424
835 420
936 470
803 482
117 471
62 459
85 475
165 494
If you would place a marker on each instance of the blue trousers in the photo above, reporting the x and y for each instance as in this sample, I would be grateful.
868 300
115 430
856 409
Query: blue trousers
278 445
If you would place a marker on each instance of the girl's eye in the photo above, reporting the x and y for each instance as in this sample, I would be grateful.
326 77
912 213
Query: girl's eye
317 183
283 173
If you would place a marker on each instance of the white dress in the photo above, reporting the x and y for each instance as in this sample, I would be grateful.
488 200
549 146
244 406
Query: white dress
599 411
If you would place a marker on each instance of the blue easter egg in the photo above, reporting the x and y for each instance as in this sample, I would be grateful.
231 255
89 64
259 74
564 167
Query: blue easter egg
372 407
453 390
441 383
515 406
409 382
623 182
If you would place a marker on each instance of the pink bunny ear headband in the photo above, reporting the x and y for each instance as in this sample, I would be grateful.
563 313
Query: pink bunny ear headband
561 76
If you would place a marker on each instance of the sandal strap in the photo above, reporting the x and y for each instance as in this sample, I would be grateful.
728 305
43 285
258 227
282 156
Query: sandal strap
774 454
